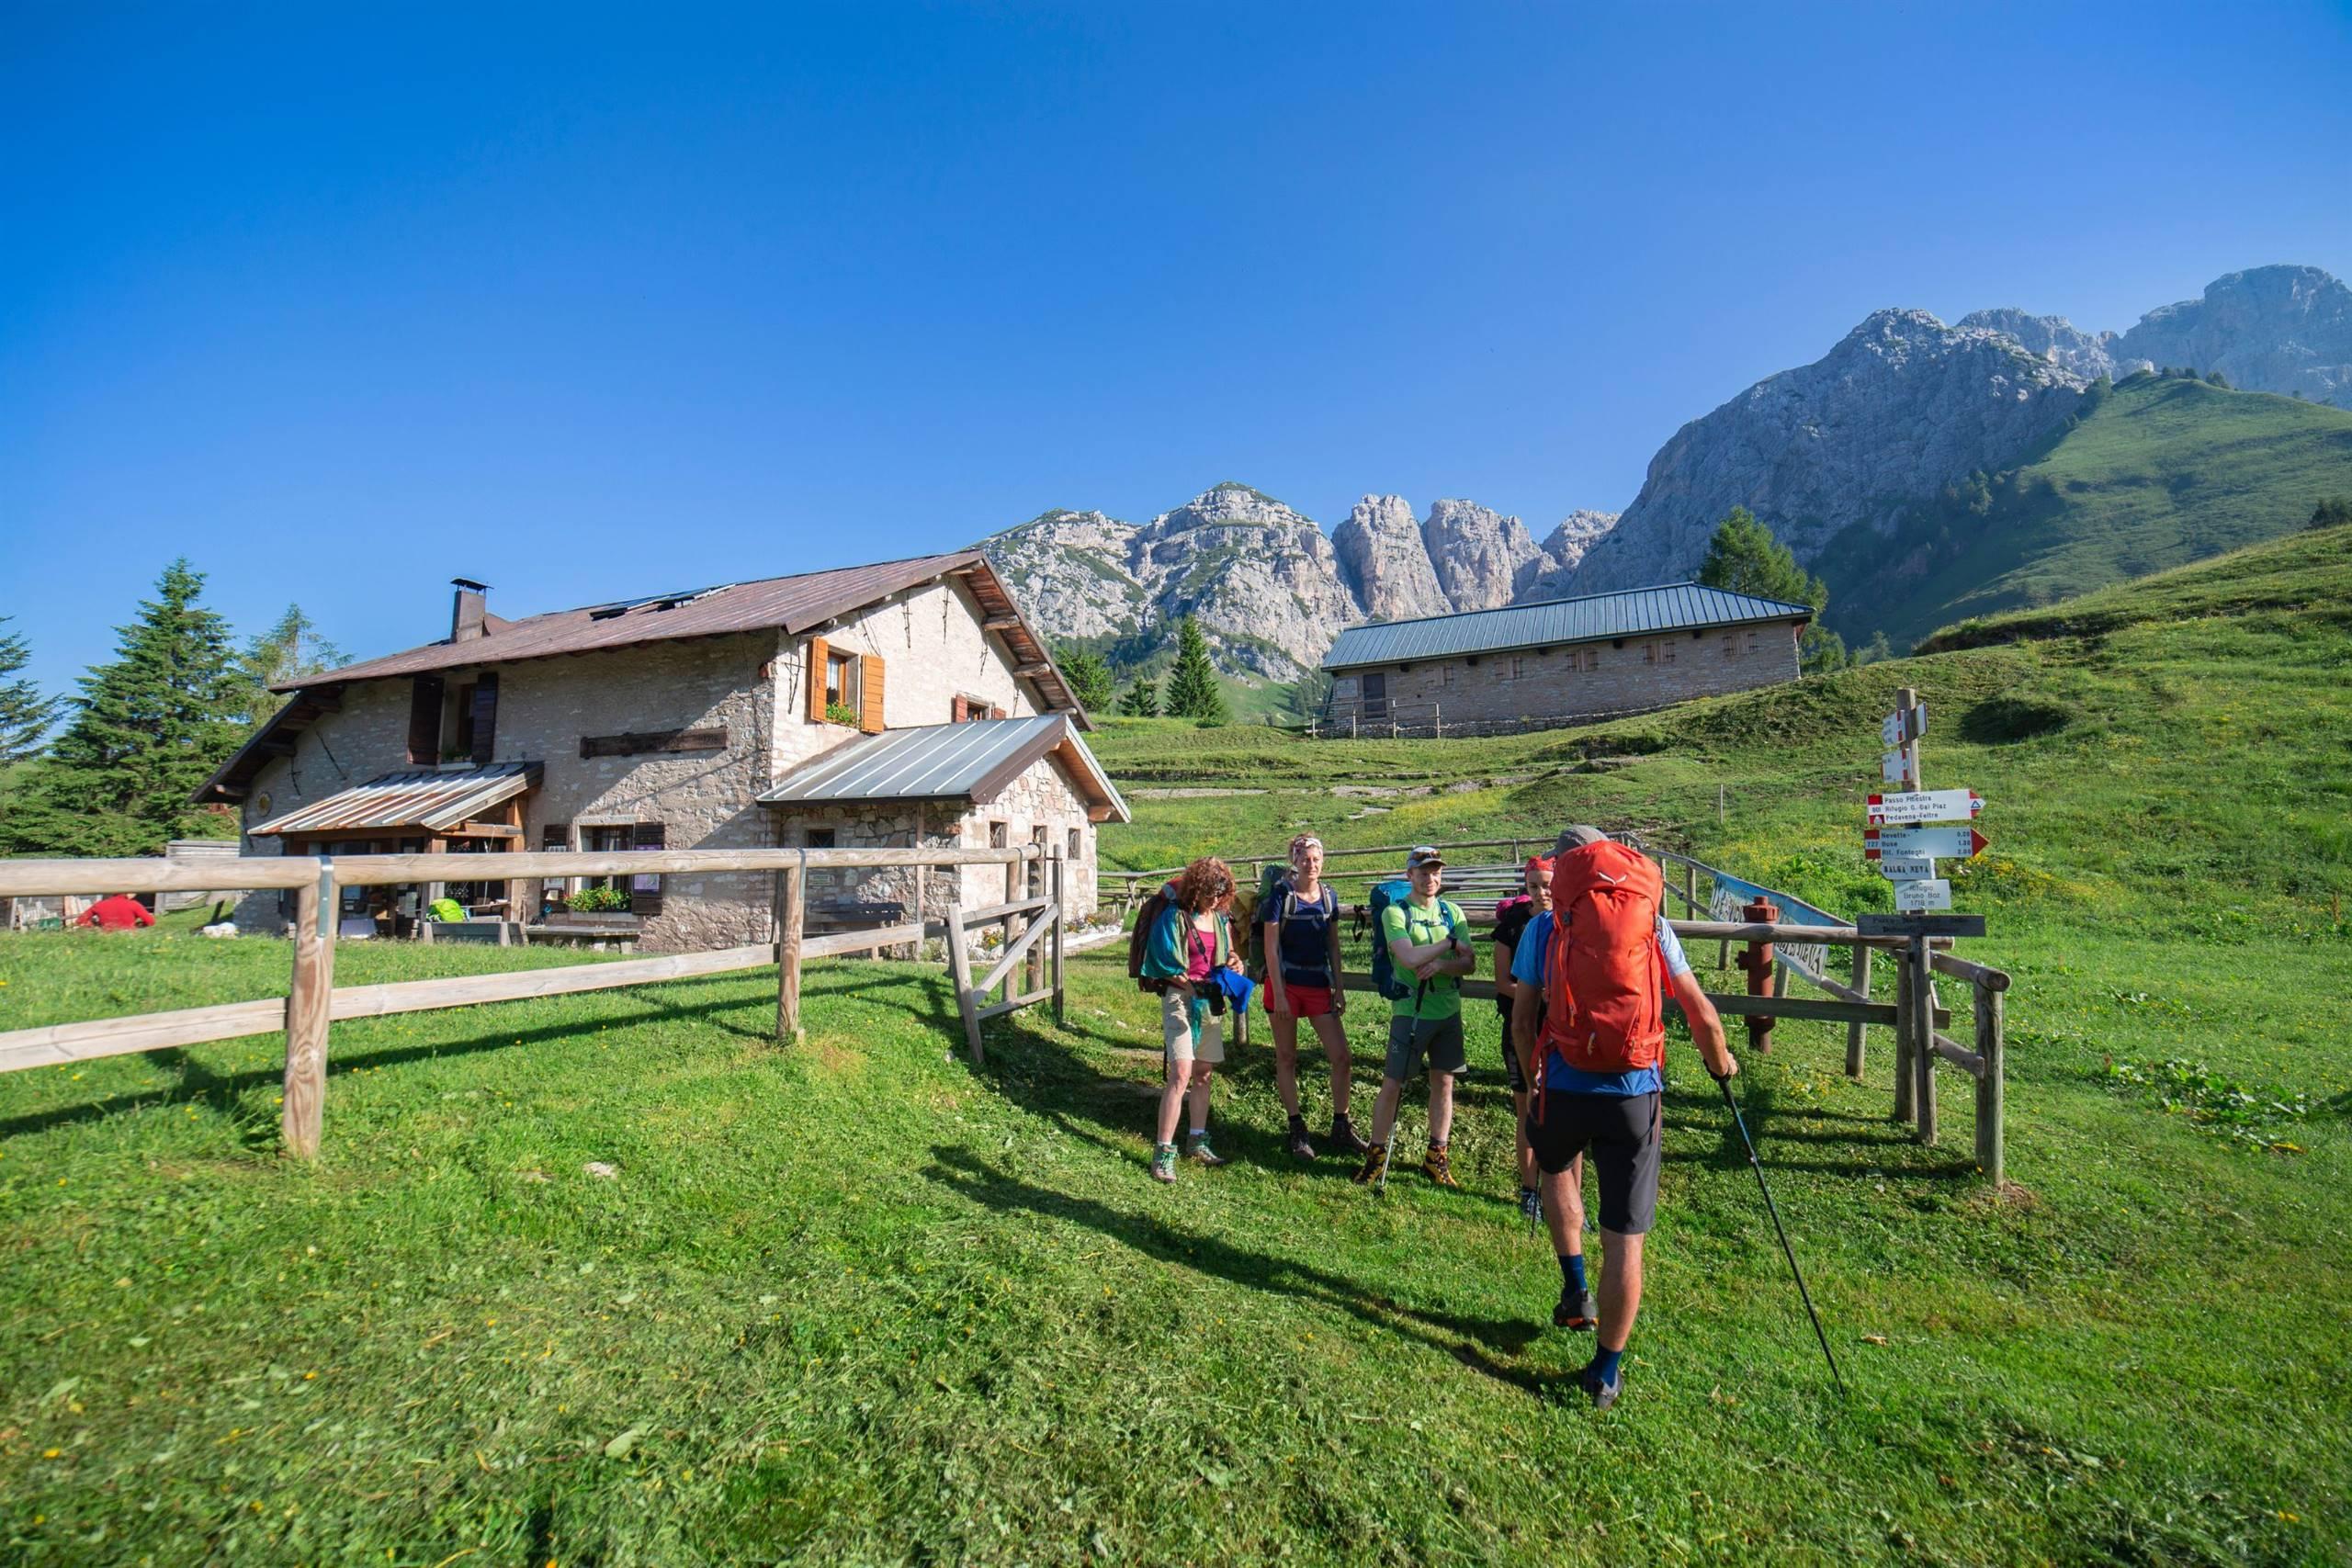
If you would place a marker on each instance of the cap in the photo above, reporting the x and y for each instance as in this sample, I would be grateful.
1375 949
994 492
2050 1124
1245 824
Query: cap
1422 855
1576 837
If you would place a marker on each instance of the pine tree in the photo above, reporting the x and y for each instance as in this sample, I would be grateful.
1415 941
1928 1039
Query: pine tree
288 652
1192 691
1141 699
146 731
1744 558
25 711
1089 678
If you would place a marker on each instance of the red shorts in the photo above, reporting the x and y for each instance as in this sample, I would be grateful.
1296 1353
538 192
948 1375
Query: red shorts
1310 1001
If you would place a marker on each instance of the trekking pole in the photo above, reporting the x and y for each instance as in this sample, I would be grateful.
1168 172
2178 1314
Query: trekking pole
1771 1208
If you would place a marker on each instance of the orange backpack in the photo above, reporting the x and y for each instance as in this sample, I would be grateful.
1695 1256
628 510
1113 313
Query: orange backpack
1605 980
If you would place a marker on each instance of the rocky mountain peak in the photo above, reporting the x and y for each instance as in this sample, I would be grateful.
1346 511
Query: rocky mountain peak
1476 552
1551 574
2053 338
1384 563
2270 329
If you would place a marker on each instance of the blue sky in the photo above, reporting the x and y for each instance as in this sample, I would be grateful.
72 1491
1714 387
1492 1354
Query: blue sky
582 302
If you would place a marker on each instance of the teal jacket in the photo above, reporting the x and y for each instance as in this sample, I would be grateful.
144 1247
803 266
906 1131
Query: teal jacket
1163 953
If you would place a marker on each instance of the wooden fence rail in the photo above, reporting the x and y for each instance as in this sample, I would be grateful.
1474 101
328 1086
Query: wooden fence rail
314 1001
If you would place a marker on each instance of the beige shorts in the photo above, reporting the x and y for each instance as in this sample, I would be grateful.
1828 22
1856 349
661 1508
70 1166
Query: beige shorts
1193 1033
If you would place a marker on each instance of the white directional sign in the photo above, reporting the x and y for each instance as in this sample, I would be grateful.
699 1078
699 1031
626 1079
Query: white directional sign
1906 868
1943 844
1930 895
1926 806
1890 731
1891 768
1893 731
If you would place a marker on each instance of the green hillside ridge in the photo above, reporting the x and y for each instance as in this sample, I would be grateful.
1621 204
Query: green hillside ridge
2156 473
854 1301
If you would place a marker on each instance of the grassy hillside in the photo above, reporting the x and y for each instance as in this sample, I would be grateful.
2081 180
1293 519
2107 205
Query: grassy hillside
855 1301
2160 473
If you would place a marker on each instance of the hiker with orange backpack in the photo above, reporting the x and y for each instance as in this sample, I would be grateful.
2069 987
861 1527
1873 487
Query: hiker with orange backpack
1301 925
1604 961
1186 939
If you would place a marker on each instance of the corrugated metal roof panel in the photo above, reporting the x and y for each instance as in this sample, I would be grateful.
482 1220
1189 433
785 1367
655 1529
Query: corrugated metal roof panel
1674 606
423 798
972 760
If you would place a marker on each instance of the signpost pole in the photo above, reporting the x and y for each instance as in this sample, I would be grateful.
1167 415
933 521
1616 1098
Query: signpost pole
1907 1082
1923 1035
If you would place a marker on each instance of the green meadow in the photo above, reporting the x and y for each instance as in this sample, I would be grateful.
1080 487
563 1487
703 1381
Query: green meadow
617 1280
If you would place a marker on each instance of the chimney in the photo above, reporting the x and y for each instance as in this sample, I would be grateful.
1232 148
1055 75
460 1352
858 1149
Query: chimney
466 615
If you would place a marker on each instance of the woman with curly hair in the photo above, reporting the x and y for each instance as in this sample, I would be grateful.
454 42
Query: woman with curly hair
1189 943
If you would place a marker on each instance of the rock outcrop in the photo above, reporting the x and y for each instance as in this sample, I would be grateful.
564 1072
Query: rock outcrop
1551 574
2053 338
1384 564
2272 329
1476 552
1902 407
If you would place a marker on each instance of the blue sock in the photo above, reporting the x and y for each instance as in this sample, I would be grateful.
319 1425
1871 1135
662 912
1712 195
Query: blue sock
1604 1366
1572 1272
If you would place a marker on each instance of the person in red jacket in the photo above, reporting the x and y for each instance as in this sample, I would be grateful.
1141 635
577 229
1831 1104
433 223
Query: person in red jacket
117 912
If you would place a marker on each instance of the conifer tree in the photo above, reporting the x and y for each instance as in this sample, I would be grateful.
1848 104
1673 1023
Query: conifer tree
1192 691
1141 699
25 711
1744 558
147 730
1089 678
288 651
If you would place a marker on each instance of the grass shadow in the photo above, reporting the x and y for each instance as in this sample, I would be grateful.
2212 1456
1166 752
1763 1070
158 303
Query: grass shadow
1476 1342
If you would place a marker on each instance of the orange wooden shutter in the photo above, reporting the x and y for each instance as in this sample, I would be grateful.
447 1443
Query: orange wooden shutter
869 681
817 652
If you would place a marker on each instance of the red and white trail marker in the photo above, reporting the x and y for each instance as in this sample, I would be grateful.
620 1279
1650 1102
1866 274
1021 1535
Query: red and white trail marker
1924 805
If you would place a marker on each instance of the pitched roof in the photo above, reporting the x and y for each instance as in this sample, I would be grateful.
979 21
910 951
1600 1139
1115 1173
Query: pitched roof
973 760
429 798
792 604
1632 612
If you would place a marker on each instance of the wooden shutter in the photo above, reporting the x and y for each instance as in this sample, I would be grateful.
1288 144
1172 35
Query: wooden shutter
962 709
645 892
996 713
485 716
869 692
424 720
818 650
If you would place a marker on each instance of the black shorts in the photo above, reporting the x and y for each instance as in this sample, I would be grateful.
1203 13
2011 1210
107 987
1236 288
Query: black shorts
1511 1071
1622 1131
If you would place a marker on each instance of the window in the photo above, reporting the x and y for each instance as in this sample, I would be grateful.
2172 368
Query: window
820 838
1665 651
457 729
1731 644
1755 642
841 684
968 708
996 838
1077 843
597 841
1592 659
1649 653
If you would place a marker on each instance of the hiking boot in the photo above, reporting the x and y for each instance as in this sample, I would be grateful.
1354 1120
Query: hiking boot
1343 1135
1438 1168
1375 1160
1299 1146
1574 1313
1198 1150
1604 1394
1530 1205
1163 1163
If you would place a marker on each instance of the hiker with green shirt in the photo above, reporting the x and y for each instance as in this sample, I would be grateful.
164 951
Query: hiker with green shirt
1427 940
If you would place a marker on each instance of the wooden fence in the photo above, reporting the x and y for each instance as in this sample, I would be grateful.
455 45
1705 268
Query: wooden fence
1031 913
1915 1013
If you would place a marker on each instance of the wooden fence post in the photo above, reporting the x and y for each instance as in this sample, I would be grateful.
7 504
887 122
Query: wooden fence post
1061 926
309 1004
1035 879
959 969
1923 1037
1758 961
1906 1079
791 917
1690 889
1989 1142
1856 1047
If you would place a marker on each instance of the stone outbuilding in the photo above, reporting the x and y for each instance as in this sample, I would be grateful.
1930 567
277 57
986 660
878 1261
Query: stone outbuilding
787 712
1557 662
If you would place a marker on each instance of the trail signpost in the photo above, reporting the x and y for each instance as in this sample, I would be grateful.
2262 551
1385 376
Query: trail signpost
1926 806
1953 843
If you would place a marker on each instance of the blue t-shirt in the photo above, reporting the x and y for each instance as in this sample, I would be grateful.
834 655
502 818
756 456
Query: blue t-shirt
1529 961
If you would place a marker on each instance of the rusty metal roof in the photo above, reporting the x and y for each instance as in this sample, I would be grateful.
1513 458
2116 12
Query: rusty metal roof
423 798
792 604
972 760
1633 611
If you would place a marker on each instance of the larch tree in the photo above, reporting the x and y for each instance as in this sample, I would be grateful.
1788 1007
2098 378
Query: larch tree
1744 558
